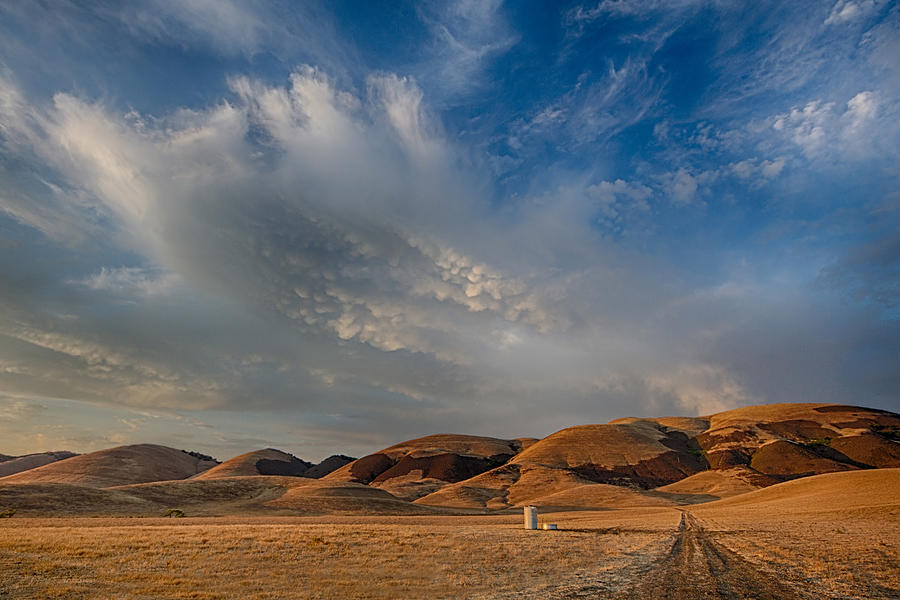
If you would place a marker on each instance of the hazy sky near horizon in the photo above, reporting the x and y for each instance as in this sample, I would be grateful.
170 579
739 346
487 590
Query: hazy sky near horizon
328 227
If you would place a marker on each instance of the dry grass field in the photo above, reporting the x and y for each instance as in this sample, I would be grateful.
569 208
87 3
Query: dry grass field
737 548
839 532
91 527
353 557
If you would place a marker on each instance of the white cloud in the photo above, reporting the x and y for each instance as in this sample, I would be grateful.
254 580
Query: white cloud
131 282
849 10
401 100
744 169
820 130
466 34
231 26
624 8
683 188
862 110
772 168
806 126
617 198
702 389
321 239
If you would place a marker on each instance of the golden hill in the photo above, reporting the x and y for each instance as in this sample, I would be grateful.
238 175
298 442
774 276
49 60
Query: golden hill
418 467
629 461
722 483
116 466
808 439
258 462
17 464
689 459
634 453
261 495
820 493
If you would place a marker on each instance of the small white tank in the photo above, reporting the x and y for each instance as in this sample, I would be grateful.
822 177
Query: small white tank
531 517
550 526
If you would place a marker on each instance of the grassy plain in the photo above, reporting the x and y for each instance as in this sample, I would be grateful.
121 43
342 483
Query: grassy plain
830 536
596 554
333 557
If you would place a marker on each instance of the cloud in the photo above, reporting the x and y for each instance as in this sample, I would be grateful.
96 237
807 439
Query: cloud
772 168
466 36
849 10
184 191
619 199
871 273
624 8
228 25
807 126
15 410
683 188
131 282
328 254
861 112
595 109
856 133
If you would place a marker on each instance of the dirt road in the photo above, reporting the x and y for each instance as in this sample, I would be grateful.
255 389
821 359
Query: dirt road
694 567
698 567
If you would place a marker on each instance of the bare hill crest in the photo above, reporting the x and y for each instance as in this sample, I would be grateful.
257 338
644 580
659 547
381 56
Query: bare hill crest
16 464
274 462
418 467
122 465
629 461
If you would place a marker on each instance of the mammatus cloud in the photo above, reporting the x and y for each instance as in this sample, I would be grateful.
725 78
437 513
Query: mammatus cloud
333 257
318 209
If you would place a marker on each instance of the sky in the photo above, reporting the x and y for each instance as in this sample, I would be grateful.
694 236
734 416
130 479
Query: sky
329 227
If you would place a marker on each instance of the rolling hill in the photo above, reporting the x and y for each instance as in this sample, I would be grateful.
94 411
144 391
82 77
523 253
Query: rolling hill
793 440
273 462
632 453
868 489
415 468
16 464
707 457
122 465
626 462
258 462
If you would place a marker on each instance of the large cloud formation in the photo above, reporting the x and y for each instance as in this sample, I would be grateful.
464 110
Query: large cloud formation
332 256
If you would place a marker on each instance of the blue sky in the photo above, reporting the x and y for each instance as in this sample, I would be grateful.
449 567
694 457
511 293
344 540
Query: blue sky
329 227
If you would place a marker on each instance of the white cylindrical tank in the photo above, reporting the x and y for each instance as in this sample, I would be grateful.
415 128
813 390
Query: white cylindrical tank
531 517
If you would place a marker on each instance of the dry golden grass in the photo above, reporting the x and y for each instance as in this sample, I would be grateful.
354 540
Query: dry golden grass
842 556
243 465
399 557
720 483
122 465
605 445
839 532
441 443
831 536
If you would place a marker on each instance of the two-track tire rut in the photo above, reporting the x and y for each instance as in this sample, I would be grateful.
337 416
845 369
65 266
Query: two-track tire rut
697 567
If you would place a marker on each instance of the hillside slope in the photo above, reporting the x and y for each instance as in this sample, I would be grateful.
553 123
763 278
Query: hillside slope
122 465
827 492
17 464
636 453
418 467
258 462
705 458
